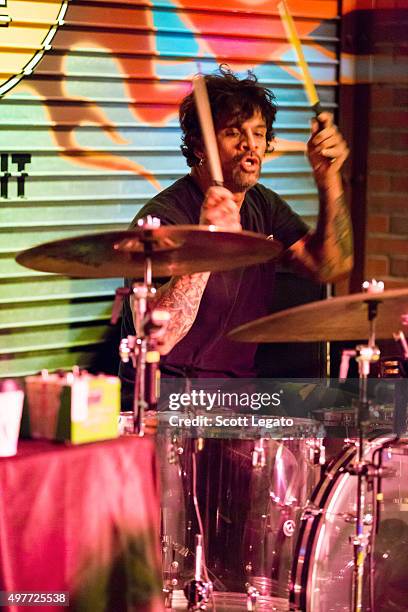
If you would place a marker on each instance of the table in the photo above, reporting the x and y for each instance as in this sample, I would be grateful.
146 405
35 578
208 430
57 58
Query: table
85 520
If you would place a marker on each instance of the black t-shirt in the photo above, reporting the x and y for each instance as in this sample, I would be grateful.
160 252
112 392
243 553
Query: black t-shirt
230 298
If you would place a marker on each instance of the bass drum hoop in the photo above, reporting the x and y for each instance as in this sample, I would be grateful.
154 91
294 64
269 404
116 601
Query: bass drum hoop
301 583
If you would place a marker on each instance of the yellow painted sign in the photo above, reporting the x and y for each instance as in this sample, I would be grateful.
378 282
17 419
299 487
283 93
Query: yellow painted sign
26 32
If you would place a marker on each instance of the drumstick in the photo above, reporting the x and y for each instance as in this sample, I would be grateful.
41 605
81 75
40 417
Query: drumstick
207 128
293 37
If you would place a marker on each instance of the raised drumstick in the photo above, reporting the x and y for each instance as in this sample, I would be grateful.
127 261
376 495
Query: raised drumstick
291 33
207 128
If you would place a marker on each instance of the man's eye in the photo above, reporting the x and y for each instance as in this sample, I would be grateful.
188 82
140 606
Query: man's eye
232 133
259 135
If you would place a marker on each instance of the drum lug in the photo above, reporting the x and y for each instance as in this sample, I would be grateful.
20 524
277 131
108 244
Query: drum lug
252 597
175 450
174 573
361 540
168 598
349 517
322 454
310 510
258 454
317 452
182 550
289 503
171 584
349 442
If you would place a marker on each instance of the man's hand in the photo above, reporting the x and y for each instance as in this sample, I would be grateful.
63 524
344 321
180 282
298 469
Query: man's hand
220 208
326 253
327 150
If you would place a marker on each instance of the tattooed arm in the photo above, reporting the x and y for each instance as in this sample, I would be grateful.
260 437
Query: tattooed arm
181 296
326 254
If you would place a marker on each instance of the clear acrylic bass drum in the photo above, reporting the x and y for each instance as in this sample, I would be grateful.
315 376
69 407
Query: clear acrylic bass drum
323 562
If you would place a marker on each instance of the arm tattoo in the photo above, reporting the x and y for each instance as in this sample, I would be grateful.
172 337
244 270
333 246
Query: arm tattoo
336 237
327 253
342 229
181 297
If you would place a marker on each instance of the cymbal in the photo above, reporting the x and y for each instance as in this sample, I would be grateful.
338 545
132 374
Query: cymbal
339 318
174 250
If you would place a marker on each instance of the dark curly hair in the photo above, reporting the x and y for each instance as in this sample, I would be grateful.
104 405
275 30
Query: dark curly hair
230 98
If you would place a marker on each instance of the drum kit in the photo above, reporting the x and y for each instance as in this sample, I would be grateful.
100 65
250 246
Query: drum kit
257 521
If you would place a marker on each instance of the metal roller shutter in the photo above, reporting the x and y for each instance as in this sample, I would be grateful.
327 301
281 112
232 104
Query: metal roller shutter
89 131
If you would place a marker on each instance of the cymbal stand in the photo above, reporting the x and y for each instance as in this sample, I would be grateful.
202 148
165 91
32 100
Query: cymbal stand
150 323
365 471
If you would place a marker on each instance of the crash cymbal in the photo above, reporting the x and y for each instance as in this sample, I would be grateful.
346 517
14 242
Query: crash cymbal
174 250
339 318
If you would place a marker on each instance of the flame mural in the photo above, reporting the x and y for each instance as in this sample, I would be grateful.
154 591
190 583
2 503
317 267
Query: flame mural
134 36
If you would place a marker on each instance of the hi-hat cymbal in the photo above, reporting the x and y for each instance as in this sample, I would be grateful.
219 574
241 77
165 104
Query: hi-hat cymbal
340 318
174 250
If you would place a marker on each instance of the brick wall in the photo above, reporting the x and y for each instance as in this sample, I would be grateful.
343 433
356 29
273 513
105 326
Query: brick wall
386 239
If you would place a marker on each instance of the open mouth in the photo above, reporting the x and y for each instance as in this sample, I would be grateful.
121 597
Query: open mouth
249 163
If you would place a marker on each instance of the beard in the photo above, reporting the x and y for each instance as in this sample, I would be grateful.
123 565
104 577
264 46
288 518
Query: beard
238 180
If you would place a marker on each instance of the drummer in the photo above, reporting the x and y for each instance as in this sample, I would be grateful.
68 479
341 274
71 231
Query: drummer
205 307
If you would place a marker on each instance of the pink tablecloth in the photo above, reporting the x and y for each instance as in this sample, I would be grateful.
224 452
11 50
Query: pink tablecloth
84 520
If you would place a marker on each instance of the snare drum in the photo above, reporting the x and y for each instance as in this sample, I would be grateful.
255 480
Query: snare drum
251 491
323 563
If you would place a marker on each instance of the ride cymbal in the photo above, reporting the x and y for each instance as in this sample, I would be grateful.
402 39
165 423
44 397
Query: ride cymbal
173 250
339 318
